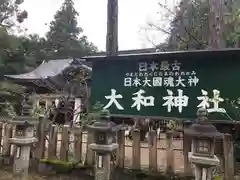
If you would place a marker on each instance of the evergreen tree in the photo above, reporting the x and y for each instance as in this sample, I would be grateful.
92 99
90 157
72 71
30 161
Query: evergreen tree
63 36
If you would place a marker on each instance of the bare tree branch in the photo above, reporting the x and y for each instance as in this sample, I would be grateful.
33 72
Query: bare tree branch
180 18
163 30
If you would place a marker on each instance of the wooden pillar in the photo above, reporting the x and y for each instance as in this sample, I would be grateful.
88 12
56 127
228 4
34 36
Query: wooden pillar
112 28
6 145
187 148
121 148
40 148
52 146
170 153
22 157
152 143
65 143
228 157
136 151
78 144
90 155
1 135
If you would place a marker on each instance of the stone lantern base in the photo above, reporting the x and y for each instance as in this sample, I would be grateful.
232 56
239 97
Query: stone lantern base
103 147
23 141
203 166
204 161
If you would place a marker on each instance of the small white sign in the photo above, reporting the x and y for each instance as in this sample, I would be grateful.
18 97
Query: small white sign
100 161
18 153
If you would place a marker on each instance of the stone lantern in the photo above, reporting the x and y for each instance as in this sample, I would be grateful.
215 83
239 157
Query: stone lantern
202 155
23 140
104 134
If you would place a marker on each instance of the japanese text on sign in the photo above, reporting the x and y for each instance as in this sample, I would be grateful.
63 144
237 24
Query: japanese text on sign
158 75
174 79
171 100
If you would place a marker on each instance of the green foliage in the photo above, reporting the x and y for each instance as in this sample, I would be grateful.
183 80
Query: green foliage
63 37
94 113
64 27
232 21
34 49
17 54
63 166
97 107
9 108
11 97
20 54
217 177
38 111
234 108
172 124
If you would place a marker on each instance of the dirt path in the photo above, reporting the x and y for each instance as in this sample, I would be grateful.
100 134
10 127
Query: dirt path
6 174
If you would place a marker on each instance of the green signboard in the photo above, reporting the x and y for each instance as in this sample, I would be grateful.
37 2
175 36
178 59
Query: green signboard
168 84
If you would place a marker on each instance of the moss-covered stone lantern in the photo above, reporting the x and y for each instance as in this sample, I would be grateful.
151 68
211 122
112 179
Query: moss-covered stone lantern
23 140
104 134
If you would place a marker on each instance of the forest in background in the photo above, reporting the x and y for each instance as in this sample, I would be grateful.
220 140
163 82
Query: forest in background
189 25
20 54
188 30
64 39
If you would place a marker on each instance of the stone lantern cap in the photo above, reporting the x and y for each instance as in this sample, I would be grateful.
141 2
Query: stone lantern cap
23 121
105 114
203 129
104 124
28 119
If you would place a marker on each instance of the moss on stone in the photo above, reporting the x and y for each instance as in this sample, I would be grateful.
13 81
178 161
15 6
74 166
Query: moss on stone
66 167
63 166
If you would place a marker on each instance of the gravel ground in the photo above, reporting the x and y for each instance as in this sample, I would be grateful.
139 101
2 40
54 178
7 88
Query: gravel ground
6 174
